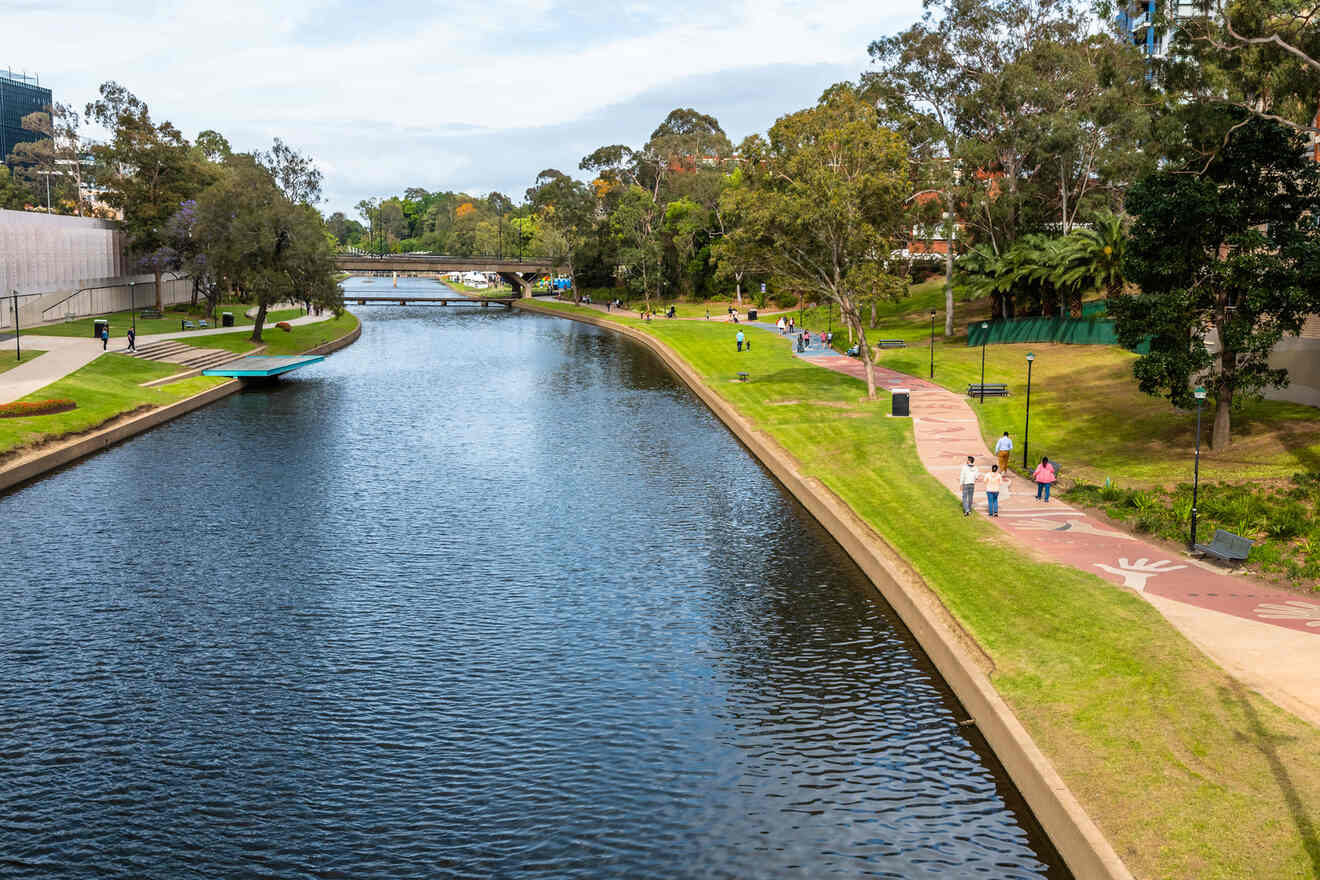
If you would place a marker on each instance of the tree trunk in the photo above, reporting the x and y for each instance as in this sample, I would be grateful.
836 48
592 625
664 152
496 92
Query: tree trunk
1220 436
874 319
948 264
737 289
865 351
159 303
258 323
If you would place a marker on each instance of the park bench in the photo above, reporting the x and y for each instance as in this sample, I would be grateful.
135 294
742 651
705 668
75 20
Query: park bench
187 325
989 389
1227 546
742 377
892 343
202 324
149 313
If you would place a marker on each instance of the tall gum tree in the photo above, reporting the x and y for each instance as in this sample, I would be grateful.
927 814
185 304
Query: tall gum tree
1227 262
823 196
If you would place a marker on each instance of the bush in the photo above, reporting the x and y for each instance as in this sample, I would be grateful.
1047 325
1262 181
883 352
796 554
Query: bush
22 408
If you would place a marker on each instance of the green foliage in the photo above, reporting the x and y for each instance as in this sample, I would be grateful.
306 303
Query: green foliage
1234 252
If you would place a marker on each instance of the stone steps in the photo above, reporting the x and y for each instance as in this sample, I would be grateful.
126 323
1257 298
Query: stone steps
189 356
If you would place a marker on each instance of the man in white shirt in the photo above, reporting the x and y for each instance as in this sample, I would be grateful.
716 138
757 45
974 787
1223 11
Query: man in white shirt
967 478
1002 449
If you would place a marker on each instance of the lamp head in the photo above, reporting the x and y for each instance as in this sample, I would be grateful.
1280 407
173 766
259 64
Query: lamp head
932 313
985 325
1199 393
1030 357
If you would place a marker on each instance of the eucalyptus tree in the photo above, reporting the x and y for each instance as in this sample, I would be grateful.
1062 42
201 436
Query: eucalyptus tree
58 152
148 171
824 192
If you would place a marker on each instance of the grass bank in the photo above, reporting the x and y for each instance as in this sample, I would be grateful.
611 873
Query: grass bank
296 340
8 360
1188 773
107 387
168 323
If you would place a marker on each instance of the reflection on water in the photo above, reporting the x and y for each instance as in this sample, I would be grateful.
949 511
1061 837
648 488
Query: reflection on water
484 595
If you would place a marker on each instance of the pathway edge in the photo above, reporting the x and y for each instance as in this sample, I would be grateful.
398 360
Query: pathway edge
1074 834
69 451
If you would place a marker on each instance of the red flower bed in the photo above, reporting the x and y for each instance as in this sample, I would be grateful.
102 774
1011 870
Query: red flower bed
285 326
20 408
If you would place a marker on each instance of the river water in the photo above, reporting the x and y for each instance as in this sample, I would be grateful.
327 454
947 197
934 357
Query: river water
486 594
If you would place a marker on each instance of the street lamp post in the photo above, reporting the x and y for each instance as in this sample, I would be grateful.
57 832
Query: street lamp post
1196 465
985 338
932 343
18 347
1026 432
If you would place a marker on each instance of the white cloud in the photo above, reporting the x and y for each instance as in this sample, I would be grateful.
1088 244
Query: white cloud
373 89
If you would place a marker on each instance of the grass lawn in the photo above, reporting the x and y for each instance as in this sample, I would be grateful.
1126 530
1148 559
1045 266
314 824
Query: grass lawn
8 361
1188 774
279 342
105 388
170 323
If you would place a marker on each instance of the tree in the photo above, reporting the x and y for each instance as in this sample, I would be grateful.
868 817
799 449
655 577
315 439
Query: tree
1092 258
13 195
737 250
148 171
635 221
296 175
825 192
565 208
58 152
261 242
1230 256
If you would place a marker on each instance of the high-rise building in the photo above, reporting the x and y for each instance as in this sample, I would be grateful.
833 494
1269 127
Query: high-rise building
1140 19
19 95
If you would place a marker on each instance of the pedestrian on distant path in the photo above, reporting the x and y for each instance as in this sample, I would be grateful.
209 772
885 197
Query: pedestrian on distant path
740 339
799 344
967 478
707 313
780 325
994 481
822 339
132 340
105 338
790 325
1043 476
1002 449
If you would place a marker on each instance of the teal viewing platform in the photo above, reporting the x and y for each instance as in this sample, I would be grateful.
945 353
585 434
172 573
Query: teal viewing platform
261 366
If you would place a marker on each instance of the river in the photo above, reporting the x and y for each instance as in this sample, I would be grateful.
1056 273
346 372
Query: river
485 594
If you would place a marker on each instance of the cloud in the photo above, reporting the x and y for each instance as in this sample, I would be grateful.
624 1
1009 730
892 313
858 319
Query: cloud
476 94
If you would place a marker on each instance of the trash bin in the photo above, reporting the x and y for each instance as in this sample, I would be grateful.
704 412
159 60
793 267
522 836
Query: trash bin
901 401
97 326
751 314
226 319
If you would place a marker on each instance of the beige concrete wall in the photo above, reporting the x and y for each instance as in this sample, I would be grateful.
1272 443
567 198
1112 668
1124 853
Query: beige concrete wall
56 255
1300 356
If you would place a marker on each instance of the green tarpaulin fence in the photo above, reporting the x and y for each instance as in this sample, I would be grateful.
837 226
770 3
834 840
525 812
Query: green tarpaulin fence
1070 331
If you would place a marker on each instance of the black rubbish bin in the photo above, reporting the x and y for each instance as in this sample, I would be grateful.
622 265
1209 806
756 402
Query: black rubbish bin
97 326
751 314
901 400
226 319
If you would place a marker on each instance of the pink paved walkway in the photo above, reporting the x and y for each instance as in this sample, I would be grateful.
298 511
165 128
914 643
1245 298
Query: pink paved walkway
1269 638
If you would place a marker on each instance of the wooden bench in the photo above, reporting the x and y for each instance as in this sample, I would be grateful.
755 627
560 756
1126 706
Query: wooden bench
149 313
989 389
891 343
1227 546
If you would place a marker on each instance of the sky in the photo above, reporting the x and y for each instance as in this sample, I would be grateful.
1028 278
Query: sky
469 95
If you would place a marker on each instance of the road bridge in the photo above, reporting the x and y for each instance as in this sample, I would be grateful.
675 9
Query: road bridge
519 273
404 299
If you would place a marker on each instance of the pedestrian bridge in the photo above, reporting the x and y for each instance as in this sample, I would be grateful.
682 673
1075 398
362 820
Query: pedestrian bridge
519 273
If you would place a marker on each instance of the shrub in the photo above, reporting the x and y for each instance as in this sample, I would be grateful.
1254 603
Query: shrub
21 408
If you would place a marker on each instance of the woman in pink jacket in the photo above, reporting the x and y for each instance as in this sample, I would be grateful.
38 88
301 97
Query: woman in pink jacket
1044 476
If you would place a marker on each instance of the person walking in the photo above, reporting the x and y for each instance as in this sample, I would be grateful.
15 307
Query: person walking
1044 477
994 481
105 336
967 478
740 340
1002 449
779 325
790 325
132 340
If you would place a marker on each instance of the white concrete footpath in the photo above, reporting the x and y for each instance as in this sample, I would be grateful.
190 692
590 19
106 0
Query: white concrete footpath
66 354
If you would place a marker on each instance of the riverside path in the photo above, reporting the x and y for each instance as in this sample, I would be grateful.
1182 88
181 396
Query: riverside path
1266 637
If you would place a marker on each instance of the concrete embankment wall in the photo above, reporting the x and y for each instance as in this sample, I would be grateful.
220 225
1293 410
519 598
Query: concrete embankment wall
55 255
1079 841
64 452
